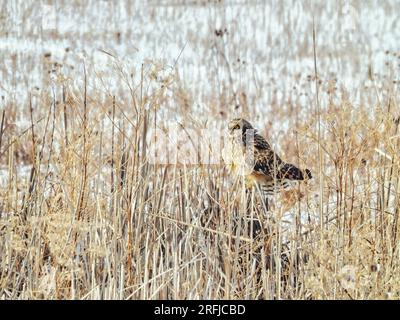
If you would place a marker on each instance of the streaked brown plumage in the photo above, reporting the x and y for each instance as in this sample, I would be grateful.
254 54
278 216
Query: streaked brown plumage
249 154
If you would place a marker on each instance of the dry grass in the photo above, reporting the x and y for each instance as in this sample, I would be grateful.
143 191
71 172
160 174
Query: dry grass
85 215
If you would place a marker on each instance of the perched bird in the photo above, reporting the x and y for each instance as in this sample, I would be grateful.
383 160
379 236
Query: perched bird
247 153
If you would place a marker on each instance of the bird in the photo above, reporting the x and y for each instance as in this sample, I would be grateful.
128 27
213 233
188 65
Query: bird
249 154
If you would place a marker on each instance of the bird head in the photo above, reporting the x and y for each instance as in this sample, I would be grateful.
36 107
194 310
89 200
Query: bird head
239 124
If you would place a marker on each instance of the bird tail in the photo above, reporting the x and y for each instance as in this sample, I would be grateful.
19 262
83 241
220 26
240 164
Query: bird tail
291 172
273 187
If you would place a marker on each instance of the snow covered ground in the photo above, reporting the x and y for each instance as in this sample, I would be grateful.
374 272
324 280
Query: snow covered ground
263 48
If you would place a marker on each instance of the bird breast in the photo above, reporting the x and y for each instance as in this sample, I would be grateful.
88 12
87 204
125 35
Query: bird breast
235 158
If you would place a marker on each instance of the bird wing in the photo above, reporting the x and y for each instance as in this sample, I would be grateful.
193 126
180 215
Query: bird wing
291 172
266 161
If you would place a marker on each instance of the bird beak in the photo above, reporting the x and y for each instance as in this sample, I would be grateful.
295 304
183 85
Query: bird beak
231 125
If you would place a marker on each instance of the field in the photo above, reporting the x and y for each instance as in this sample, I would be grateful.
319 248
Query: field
91 209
